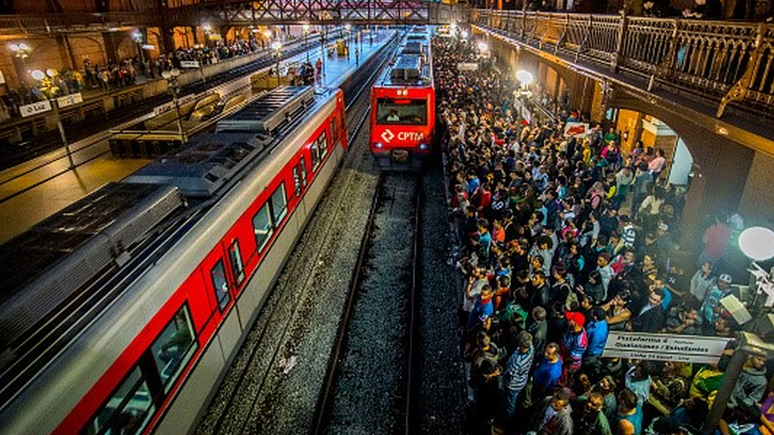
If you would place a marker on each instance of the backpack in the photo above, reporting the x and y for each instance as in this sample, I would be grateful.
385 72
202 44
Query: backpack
510 311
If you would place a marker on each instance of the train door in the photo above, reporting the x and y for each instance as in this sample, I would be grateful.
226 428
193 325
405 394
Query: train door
224 274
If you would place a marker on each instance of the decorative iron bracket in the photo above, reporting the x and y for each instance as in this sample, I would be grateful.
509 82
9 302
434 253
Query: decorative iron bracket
738 91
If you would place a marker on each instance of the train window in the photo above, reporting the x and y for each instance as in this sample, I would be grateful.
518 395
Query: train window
401 112
174 347
297 181
220 284
322 145
262 227
237 268
334 130
279 204
127 411
302 167
299 177
316 159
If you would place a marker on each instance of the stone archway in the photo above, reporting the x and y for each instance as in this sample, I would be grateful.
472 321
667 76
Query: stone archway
722 167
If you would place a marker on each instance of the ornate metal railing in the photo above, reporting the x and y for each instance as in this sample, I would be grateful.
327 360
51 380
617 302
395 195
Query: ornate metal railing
723 62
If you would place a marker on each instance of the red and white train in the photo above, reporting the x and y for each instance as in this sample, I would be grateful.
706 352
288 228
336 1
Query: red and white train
157 279
403 106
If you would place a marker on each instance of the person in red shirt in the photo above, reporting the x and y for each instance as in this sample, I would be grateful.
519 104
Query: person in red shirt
715 240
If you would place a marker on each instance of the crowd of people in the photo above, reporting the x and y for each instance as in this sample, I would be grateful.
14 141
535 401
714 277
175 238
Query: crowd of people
559 241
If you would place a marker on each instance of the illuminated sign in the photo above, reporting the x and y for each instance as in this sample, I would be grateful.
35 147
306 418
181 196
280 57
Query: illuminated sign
387 135
411 135
417 136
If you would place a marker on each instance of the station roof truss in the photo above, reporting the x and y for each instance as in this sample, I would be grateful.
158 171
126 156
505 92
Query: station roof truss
270 12
241 13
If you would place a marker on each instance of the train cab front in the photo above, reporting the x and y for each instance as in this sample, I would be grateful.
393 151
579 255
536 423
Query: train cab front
401 133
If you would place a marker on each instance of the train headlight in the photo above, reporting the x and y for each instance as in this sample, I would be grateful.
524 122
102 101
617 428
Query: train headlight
378 145
423 147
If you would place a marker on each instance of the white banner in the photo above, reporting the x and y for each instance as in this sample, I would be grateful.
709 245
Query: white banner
35 108
69 100
470 66
576 129
189 64
664 347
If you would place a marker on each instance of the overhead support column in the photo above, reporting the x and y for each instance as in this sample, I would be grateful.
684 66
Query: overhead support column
111 41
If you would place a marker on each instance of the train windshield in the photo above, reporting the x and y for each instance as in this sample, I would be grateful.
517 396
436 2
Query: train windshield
391 111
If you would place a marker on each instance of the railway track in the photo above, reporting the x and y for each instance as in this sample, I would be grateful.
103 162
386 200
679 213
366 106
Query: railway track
370 381
277 380
235 407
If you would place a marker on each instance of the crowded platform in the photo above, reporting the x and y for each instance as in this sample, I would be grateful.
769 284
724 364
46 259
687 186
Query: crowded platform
562 241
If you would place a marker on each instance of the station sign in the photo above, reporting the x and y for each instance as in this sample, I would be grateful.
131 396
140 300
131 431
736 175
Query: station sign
35 108
416 136
467 66
69 100
189 64
664 347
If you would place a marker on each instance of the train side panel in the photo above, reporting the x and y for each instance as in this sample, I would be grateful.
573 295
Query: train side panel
256 289
180 287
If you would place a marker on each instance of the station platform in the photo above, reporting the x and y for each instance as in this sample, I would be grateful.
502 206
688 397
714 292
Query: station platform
37 189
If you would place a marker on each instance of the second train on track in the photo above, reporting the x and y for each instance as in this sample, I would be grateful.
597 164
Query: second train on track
403 106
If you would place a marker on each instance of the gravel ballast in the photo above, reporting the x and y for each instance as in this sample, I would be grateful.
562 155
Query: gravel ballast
371 381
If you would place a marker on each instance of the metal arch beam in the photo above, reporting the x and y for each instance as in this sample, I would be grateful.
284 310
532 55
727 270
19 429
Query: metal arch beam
270 12
243 12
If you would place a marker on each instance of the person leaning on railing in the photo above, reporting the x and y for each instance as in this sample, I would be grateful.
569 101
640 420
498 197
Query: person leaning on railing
705 9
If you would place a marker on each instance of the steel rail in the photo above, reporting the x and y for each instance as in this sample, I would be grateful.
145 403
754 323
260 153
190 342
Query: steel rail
323 408
410 421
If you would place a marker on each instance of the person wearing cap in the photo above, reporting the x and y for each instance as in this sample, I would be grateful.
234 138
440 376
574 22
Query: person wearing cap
711 308
574 343
517 372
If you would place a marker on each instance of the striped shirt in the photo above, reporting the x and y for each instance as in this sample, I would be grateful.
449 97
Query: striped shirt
518 369
575 344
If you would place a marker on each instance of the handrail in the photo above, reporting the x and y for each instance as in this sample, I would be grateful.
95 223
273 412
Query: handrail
723 62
